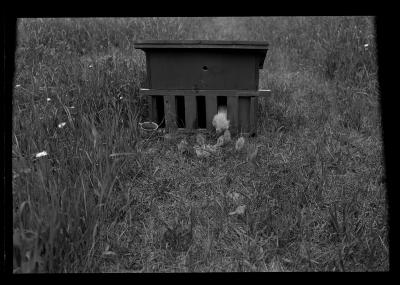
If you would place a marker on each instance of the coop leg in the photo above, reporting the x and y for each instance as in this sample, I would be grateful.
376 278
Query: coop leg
253 116
211 110
190 112
233 110
244 114
170 112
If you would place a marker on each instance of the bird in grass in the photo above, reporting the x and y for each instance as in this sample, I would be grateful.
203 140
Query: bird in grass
239 144
204 150
220 121
183 146
227 136
220 141
179 238
200 139
224 139
252 151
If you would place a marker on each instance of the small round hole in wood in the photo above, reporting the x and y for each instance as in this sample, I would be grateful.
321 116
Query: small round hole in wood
205 68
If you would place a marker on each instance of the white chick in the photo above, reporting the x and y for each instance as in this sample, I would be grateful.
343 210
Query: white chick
220 121
239 144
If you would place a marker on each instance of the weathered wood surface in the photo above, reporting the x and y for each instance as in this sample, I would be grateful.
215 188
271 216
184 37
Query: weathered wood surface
167 92
244 114
170 112
190 112
233 110
201 44
211 110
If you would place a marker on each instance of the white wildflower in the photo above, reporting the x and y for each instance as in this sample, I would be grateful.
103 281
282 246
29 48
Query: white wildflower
61 125
18 85
107 251
366 45
40 154
239 210
210 148
168 137
95 135
48 99
234 196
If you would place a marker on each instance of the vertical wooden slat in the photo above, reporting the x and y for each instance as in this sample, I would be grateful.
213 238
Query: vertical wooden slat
148 71
170 112
190 112
253 115
233 111
150 108
211 110
256 72
244 114
153 108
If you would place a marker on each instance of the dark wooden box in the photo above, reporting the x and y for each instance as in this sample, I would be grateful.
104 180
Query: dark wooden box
188 80
216 65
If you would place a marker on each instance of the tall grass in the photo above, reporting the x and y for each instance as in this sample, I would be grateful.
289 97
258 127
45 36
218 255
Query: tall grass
90 72
322 208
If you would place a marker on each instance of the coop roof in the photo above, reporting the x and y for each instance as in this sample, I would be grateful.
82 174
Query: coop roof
201 44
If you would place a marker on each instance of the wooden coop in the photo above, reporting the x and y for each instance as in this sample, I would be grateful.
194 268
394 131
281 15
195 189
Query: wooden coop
188 81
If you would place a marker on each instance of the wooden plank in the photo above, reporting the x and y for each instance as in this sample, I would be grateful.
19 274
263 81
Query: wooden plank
150 116
157 44
256 72
170 112
253 115
148 71
174 70
233 110
244 114
154 115
216 42
264 92
211 110
187 92
190 112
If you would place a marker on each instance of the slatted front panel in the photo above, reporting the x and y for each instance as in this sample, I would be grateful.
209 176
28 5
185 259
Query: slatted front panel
241 109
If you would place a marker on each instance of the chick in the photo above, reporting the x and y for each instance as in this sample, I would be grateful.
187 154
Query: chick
183 146
252 151
227 136
220 141
205 150
239 144
200 139
220 121
201 152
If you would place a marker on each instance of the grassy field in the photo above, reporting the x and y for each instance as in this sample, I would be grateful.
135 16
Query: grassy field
104 199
